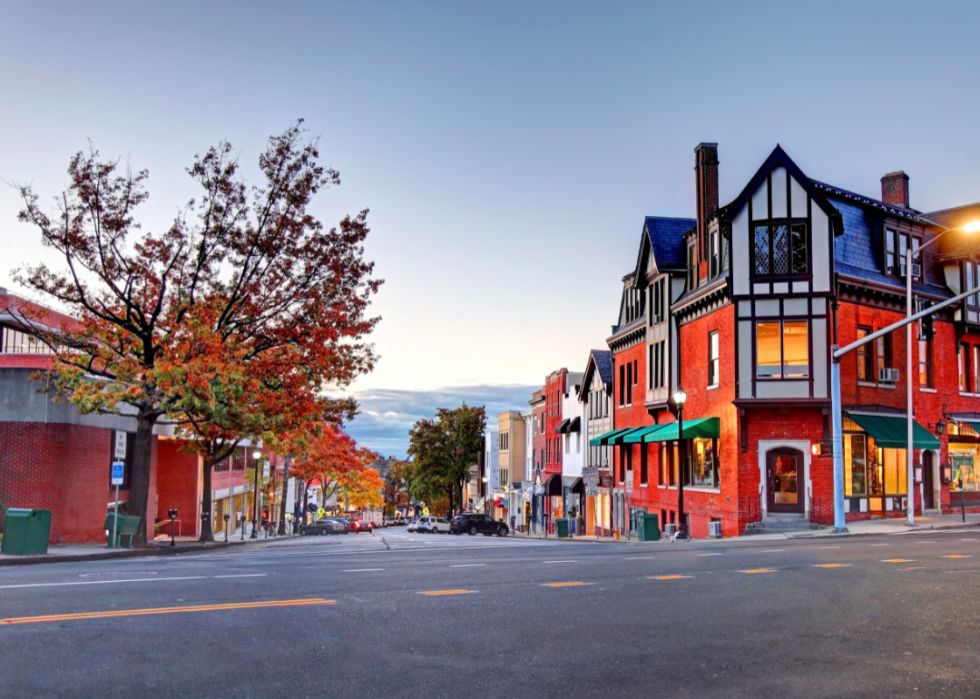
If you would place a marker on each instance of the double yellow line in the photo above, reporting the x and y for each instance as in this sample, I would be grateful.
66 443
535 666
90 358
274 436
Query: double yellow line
162 610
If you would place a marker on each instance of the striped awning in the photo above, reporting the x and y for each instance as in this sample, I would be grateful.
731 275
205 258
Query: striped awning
607 438
703 428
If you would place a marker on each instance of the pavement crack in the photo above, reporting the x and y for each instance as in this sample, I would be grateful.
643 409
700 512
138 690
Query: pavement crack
387 545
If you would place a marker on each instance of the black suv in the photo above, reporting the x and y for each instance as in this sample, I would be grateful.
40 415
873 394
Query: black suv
474 524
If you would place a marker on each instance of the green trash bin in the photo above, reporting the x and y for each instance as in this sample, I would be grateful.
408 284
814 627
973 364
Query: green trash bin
648 527
26 532
561 528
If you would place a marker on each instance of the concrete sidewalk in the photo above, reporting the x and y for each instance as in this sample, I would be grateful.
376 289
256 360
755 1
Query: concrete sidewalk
863 528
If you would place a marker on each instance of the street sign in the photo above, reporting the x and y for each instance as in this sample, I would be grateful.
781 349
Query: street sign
117 472
590 475
592 490
629 481
119 450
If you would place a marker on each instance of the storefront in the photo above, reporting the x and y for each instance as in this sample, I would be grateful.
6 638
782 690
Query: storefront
875 465
964 457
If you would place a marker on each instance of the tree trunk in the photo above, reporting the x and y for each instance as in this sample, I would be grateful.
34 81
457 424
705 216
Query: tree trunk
282 505
207 528
139 484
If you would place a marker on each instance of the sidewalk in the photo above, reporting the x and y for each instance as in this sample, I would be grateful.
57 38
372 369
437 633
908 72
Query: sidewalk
863 528
66 553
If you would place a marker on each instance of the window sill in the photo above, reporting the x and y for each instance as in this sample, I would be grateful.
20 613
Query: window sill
692 489
926 389
711 387
868 384
968 395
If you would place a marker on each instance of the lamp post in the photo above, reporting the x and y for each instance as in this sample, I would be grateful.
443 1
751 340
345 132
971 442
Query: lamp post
837 353
972 227
256 456
680 395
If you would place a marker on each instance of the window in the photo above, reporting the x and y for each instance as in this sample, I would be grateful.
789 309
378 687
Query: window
972 281
701 463
865 362
643 463
780 250
657 361
976 369
925 363
636 372
964 367
896 249
629 383
714 253
782 350
17 342
622 385
713 358
692 267
884 352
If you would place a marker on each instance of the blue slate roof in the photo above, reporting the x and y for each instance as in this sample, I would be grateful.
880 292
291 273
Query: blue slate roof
667 239
833 192
603 364
859 252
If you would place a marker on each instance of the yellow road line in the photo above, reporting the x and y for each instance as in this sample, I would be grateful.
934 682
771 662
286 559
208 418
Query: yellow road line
957 556
162 610
832 565
758 570
565 584
436 593
669 577
899 560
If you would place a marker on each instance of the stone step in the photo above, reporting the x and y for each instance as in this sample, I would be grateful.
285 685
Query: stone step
769 526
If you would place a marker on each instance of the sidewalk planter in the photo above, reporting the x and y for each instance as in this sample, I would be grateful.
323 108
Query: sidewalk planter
26 532
561 528
648 527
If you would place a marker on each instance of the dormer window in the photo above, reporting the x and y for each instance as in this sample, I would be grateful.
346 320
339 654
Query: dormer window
780 250
896 251
692 267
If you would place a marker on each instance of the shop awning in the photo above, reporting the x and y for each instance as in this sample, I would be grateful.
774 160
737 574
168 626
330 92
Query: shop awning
892 432
637 435
703 428
575 425
604 439
562 427
572 483
553 486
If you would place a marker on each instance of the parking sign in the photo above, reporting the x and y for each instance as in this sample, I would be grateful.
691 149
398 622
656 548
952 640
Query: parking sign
117 472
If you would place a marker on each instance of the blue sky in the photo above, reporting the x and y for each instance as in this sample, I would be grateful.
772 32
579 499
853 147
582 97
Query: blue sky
508 151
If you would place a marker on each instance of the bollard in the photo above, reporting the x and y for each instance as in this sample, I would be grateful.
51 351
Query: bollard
616 533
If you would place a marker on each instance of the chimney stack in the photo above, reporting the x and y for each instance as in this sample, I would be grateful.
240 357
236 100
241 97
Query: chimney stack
706 175
895 189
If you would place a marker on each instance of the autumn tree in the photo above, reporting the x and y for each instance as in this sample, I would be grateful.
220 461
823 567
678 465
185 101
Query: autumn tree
443 449
325 452
243 273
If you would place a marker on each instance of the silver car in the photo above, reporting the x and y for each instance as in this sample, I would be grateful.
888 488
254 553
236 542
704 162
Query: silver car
433 525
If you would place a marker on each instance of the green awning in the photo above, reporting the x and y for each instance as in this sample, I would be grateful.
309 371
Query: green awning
604 439
975 426
637 435
703 428
892 432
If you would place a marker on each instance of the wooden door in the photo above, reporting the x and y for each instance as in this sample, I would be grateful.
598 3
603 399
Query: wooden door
785 479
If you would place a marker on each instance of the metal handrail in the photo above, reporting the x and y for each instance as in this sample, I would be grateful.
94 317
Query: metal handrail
162 523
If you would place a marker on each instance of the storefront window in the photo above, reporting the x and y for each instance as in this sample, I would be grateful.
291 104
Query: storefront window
895 468
704 463
855 465
966 465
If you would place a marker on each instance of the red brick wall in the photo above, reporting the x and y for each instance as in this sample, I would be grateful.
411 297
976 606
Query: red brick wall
178 484
62 468
554 390
539 440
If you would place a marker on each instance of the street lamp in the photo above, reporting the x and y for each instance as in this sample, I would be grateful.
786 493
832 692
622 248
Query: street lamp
256 456
971 227
680 396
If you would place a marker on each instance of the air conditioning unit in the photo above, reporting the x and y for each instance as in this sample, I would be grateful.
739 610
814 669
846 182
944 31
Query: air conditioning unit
916 270
887 375
714 530
669 529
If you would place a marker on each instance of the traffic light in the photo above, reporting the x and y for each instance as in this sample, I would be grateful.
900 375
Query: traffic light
927 332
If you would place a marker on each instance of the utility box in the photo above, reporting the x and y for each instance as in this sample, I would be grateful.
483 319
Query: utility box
561 528
26 532
647 527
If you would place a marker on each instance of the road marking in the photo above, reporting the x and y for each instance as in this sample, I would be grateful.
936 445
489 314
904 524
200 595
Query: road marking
829 547
832 565
437 593
758 570
559 561
163 610
956 555
565 584
670 577
879 544
772 551
899 560
915 568
711 554
243 575
363 570
927 542
468 565
961 571
640 558
967 539
102 582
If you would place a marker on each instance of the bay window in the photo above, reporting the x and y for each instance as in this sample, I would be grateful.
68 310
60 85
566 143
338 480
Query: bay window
782 350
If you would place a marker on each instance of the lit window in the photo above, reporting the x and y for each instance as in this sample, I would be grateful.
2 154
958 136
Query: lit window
713 358
782 350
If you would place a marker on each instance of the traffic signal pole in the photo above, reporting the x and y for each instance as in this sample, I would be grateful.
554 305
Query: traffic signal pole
836 414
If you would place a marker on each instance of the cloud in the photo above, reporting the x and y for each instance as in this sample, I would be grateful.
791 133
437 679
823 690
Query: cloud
386 415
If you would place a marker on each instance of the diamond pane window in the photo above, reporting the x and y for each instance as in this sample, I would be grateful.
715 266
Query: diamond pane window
762 250
780 250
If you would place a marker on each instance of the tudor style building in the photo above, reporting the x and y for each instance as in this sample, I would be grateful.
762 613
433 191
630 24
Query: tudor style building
741 307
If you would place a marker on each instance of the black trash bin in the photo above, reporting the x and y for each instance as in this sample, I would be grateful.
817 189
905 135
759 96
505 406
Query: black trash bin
26 532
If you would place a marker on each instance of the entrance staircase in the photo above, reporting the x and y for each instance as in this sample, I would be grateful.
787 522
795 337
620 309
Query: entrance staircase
781 523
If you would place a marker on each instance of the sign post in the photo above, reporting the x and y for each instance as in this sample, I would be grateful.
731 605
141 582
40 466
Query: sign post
117 479
629 514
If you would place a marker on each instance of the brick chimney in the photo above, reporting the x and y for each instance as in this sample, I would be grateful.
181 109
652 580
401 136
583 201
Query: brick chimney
895 189
706 176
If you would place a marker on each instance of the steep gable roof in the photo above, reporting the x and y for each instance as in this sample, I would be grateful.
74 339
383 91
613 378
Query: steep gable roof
666 238
600 361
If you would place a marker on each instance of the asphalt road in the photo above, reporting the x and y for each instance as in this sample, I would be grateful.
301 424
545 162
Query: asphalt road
422 616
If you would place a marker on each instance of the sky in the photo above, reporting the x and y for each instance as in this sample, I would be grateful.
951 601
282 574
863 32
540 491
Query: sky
507 151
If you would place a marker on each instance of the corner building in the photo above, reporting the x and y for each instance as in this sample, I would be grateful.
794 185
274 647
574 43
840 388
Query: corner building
741 306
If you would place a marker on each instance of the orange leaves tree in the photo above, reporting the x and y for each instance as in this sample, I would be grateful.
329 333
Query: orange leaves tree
233 319
325 452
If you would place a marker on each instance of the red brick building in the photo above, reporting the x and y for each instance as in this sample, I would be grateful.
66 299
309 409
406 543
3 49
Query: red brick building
741 307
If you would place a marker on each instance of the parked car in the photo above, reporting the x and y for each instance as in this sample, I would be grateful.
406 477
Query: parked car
322 526
473 524
359 525
433 525
413 525
344 523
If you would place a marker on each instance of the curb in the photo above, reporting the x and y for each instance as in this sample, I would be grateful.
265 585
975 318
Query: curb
152 550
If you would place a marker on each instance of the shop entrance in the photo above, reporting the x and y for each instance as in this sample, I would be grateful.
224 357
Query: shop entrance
929 500
784 475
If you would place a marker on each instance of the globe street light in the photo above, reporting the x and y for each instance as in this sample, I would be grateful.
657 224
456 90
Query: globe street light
256 456
680 396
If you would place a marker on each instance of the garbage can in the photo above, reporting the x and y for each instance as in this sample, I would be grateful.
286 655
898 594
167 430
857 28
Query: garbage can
561 528
26 532
648 527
